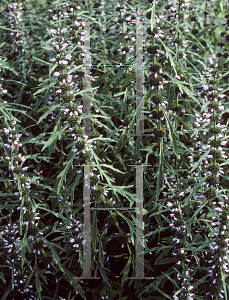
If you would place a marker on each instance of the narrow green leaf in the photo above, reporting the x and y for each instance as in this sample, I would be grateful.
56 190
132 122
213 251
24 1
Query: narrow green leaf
125 271
50 109
153 15
196 165
193 191
2 277
172 136
95 234
45 88
7 291
159 173
40 60
224 284
101 255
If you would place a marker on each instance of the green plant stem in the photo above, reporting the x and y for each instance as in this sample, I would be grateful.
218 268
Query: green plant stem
113 215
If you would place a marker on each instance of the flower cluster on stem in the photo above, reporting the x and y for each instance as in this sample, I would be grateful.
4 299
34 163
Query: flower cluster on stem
15 160
212 133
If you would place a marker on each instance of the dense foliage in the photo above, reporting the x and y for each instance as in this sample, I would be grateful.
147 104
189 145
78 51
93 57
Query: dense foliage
172 55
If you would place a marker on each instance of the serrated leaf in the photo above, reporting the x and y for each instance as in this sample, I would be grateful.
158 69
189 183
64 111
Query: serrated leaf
6 65
38 284
54 137
55 255
63 174
117 77
52 69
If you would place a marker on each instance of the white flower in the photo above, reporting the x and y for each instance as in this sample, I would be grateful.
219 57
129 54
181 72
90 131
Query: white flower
68 57
56 74
63 62
64 30
69 78
52 31
6 130
59 91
